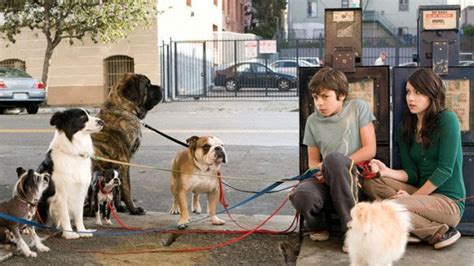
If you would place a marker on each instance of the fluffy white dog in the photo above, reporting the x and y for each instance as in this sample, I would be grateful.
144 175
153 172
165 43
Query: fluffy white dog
377 233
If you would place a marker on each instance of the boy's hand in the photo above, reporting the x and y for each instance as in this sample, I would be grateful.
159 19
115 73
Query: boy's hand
319 177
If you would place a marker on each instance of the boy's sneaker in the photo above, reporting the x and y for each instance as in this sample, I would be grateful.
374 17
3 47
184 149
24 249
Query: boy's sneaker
321 235
446 239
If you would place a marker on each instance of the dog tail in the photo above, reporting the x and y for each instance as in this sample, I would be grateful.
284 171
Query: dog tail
401 213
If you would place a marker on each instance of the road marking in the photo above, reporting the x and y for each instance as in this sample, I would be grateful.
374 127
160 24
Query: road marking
26 130
257 131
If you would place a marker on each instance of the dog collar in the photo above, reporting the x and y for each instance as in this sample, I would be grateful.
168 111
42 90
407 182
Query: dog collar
26 201
83 155
101 189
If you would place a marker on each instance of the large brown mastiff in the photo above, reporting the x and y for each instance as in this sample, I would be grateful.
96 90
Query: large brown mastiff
128 102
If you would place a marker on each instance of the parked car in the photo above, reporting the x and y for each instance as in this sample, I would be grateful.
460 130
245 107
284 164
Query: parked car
466 63
18 89
289 66
312 60
253 75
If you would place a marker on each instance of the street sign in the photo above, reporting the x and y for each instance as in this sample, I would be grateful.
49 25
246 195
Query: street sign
268 46
251 49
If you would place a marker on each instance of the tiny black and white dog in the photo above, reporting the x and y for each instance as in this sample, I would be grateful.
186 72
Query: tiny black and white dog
105 184
26 195
69 161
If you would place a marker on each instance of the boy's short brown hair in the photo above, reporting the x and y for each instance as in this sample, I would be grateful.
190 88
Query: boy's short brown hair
329 79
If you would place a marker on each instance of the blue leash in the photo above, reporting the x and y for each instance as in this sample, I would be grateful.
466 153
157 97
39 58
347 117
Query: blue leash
308 174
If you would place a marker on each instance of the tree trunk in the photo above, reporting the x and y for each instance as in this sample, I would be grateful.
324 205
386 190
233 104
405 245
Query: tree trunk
47 60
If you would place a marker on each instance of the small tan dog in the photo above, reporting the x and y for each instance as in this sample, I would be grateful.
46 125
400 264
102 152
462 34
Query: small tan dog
377 233
195 170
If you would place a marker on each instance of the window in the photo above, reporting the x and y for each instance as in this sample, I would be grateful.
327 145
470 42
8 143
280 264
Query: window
244 68
189 2
312 8
15 63
260 69
402 5
114 68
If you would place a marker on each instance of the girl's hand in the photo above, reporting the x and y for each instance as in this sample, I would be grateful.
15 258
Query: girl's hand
400 194
377 166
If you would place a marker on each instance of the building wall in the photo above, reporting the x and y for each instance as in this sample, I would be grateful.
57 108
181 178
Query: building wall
233 15
199 20
76 75
467 16
298 18
401 19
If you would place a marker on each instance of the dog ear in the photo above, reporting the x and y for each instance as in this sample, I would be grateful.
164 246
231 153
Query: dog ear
56 118
192 142
20 171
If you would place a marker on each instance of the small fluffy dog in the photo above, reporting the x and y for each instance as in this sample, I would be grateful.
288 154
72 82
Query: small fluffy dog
26 195
377 233
195 170
69 161
101 193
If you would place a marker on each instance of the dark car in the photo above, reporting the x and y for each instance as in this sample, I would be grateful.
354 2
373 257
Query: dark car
18 89
252 75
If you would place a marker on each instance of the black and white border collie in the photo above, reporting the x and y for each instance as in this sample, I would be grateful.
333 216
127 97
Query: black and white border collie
69 162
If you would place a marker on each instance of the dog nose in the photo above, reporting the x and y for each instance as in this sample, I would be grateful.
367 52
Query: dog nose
218 148
100 122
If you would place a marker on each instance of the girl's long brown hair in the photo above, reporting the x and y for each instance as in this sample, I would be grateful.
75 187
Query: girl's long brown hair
430 84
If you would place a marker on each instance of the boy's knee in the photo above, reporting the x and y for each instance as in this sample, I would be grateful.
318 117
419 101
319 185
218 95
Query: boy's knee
303 201
335 160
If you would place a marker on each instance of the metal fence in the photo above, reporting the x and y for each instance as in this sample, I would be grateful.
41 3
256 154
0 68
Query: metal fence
226 70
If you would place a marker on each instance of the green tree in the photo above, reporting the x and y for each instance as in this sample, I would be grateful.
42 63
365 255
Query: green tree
106 20
468 30
266 17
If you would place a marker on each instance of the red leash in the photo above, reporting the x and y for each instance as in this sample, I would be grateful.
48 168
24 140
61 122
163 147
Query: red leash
117 218
229 242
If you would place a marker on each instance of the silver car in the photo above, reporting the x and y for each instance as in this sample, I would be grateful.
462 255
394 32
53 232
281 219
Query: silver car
18 89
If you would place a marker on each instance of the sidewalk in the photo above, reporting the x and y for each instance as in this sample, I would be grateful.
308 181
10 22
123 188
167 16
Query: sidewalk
330 253
130 247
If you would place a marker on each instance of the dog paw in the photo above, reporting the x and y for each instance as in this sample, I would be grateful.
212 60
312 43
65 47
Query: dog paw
70 235
99 223
174 210
216 221
42 248
86 235
197 210
107 221
137 211
182 226
30 254
120 207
